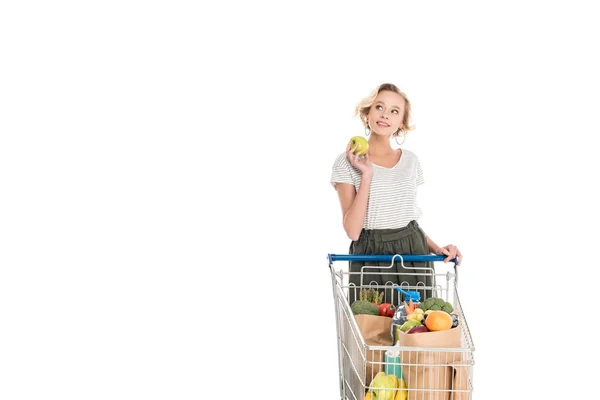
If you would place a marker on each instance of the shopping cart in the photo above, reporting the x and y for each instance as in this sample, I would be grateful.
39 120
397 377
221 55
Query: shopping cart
425 372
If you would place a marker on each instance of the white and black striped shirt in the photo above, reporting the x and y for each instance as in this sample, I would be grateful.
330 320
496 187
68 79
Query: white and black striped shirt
393 195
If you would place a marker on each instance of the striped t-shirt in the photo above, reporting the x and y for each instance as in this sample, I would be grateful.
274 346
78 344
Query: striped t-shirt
393 197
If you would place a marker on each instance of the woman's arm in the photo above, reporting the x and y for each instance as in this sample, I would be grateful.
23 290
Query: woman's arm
451 251
433 247
353 202
354 205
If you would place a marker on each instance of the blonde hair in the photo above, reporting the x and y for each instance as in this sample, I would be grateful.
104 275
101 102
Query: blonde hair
362 109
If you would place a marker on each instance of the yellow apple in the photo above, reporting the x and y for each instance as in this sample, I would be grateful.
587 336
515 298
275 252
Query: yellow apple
363 146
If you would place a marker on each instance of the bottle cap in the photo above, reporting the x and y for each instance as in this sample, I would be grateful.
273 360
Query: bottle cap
414 296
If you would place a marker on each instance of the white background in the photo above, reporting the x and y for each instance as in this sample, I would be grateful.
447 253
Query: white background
145 148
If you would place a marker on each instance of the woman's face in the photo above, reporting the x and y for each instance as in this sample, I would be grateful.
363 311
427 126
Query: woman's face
386 113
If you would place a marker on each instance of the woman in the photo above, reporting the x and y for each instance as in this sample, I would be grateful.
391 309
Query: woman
378 196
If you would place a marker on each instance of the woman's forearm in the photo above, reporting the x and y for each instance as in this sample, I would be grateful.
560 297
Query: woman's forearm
355 216
433 247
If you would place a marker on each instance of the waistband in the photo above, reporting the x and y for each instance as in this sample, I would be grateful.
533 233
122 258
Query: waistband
388 235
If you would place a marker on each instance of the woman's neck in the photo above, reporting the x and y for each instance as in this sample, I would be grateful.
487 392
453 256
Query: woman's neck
379 145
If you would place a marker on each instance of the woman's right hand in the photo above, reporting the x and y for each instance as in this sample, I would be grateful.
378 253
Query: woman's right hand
363 164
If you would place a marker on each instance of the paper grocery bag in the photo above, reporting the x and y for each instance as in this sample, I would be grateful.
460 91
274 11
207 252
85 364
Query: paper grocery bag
376 331
426 369
460 380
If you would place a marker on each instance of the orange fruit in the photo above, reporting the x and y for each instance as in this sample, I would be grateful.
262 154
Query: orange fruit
438 321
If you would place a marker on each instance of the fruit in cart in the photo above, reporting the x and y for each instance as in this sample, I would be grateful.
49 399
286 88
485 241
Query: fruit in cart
402 393
364 307
409 324
418 329
387 310
361 143
417 315
383 386
454 321
436 304
376 379
438 321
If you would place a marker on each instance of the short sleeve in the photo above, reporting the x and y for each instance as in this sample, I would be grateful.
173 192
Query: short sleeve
341 171
420 179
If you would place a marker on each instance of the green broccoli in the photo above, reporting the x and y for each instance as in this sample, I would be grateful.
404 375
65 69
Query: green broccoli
364 307
426 305
448 308
440 302
436 303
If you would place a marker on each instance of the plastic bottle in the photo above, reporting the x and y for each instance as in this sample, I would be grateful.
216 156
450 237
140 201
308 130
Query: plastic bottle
400 316
393 364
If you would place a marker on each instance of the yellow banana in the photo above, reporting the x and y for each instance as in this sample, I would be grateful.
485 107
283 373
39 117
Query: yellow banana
402 393
392 381
382 387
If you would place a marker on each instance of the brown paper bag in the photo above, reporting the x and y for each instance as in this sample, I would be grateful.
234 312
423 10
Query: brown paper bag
376 331
460 379
426 375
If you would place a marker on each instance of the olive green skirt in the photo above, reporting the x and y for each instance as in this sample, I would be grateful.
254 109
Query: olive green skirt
404 241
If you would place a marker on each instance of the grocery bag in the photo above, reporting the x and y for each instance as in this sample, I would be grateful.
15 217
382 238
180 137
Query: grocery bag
460 380
376 331
427 369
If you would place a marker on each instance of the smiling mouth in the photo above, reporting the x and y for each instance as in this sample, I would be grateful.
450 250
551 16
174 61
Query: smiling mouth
382 124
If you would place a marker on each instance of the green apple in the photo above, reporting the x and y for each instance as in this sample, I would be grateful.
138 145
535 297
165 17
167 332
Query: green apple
363 145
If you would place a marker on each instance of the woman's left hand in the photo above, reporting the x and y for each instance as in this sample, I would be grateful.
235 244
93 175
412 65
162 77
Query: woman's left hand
451 251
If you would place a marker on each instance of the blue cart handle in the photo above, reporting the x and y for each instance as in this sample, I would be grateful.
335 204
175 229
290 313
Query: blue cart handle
387 258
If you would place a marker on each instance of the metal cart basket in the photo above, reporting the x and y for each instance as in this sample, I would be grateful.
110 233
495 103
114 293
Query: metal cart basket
425 372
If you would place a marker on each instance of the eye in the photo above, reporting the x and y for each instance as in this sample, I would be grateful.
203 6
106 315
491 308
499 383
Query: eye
395 111
378 107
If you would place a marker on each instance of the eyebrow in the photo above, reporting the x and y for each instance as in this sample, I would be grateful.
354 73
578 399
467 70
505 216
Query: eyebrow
379 101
